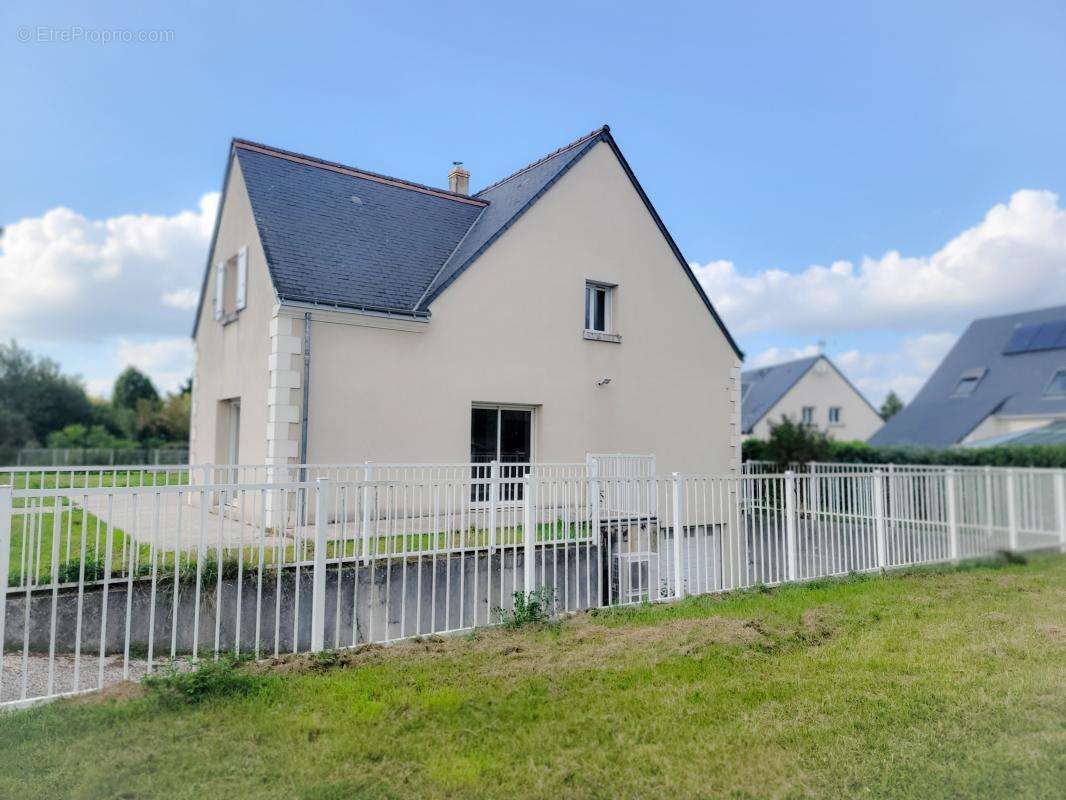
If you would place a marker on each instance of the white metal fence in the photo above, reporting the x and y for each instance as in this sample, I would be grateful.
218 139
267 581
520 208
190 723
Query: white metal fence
108 581
80 456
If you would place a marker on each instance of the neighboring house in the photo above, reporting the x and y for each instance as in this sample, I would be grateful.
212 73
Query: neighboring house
809 390
1004 381
349 316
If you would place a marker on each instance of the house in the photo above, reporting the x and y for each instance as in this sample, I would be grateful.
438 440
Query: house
1003 382
348 316
808 390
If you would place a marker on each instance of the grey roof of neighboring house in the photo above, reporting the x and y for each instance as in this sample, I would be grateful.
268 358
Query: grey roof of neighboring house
1011 385
344 237
762 388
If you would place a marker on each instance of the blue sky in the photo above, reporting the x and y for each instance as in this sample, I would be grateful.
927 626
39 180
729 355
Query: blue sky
775 140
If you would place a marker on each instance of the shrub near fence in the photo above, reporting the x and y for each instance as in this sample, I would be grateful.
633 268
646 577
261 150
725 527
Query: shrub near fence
1044 456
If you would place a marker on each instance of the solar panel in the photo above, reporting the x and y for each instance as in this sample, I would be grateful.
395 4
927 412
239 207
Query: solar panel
1037 336
1046 335
1019 340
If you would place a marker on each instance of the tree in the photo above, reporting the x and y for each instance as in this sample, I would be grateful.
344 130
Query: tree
892 406
15 430
37 391
132 386
79 436
793 443
175 416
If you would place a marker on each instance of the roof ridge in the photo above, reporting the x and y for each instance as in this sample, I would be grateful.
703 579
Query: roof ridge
599 131
1040 310
357 172
787 363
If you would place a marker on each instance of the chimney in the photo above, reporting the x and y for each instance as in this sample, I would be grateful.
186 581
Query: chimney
458 179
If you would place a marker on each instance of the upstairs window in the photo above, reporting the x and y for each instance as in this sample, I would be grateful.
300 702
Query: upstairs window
968 382
808 415
1057 386
834 415
598 297
231 286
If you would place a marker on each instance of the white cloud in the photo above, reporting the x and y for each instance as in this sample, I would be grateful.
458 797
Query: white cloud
168 361
67 277
98 295
1015 258
778 355
184 299
902 369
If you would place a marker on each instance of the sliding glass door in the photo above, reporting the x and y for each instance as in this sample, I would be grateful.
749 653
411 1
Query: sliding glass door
503 434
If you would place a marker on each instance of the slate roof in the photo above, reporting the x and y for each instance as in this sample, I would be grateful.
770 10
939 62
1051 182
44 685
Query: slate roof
344 237
762 388
1012 384
338 238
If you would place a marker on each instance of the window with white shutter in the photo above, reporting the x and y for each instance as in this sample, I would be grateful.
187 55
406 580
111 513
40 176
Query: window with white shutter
242 279
231 287
220 280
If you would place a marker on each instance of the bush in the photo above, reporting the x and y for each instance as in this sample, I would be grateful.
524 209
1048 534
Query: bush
790 443
862 453
535 608
205 680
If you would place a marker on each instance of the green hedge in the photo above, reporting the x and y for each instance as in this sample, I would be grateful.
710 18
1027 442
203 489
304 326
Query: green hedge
862 453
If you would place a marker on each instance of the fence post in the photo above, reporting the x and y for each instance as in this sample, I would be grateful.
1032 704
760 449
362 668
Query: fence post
209 478
812 501
989 507
318 578
953 518
1012 514
5 553
679 534
1060 507
494 500
367 474
890 507
879 517
594 494
529 534
790 525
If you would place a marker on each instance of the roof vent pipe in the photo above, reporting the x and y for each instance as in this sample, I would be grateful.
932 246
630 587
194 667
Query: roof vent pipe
458 179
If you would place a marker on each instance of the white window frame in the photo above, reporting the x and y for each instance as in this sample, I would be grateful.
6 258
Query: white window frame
834 415
607 333
240 291
498 407
806 419
974 375
1054 375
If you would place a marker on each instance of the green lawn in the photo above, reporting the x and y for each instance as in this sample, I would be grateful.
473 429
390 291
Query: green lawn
77 527
922 685
87 478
